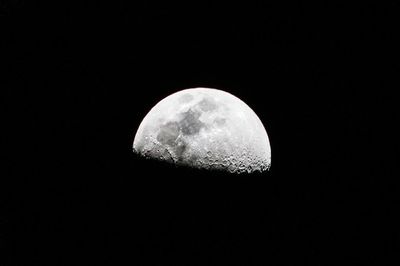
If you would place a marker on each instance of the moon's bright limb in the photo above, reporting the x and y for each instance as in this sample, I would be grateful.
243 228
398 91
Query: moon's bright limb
205 128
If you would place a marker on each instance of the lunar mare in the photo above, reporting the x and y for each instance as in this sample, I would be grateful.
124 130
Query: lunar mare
207 129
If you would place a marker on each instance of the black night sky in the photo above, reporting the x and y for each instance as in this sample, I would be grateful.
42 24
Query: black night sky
77 79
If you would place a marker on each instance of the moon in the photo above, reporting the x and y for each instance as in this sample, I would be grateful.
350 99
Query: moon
205 128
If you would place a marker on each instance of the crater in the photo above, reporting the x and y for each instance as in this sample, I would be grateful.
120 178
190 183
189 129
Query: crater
219 121
193 159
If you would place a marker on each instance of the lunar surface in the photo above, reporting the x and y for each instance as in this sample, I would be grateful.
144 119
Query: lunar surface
206 129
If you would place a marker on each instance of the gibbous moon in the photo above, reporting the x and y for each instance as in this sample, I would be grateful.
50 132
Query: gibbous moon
206 129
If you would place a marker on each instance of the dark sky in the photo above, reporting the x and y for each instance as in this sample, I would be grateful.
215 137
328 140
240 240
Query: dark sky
78 78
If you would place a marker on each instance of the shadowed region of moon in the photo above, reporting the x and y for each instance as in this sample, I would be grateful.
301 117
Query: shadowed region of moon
205 128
